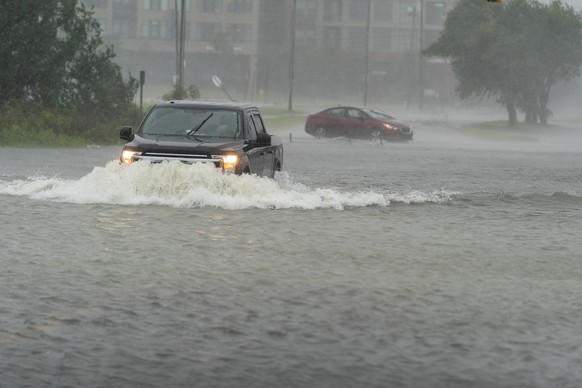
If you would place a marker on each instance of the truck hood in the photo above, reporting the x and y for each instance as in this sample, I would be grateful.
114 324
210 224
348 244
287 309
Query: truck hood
184 144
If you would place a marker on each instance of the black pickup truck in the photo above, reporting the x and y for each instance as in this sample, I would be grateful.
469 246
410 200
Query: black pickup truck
232 136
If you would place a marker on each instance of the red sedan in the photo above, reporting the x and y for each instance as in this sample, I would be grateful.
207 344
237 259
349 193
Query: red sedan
356 122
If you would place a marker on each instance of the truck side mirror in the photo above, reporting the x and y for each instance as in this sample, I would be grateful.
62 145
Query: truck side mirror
263 139
126 134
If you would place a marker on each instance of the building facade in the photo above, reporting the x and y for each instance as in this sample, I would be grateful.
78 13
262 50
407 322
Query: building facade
248 43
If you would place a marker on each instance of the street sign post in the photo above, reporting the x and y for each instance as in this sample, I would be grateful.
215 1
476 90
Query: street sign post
218 83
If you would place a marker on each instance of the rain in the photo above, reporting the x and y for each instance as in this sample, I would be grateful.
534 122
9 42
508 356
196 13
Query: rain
413 236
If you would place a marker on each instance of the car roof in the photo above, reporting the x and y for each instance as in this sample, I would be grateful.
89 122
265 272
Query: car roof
362 108
348 107
207 104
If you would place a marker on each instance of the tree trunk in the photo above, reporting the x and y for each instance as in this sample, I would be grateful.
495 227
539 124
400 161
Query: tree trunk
528 115
544 116
512 113
532 114
544 112
531 108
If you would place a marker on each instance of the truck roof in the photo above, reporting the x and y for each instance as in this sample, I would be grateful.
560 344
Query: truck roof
207 104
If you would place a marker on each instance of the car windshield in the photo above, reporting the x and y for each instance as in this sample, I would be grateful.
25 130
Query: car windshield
199 122
378 114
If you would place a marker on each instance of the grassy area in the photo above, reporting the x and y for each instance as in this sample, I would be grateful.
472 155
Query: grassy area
279 119
31 125
496 131
16 137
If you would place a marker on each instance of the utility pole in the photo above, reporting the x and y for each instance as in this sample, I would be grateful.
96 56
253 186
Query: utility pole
182 41
409 73
141 83
367 75
421 62
180 6
292 58
177 23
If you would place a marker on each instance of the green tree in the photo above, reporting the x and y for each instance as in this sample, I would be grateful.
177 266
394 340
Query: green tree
558 48
515 52
52 53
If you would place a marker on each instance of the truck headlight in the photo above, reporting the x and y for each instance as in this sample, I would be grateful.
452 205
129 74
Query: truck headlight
127 156
229 163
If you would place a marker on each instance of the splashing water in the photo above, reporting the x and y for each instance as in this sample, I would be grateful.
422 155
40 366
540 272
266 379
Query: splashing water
179 185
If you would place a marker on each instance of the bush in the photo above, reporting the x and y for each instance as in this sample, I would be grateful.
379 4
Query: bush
179 93
30 125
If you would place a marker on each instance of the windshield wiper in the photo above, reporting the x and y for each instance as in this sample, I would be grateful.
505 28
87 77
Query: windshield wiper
196 128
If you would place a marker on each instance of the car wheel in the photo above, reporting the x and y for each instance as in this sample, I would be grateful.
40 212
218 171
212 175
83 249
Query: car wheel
320 132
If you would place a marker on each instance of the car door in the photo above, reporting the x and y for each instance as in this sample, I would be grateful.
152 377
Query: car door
255 154
334 124
355 123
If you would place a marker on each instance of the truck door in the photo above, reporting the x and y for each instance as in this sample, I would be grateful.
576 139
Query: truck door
255 154
266 152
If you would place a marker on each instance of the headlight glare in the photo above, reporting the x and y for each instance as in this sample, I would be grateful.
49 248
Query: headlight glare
128 155
229 163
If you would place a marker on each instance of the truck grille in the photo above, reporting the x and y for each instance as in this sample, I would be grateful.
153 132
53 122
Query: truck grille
155 157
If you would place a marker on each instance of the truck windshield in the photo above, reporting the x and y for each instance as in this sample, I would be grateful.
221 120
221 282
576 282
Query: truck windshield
178 120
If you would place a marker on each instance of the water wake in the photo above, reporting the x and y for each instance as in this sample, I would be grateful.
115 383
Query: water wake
178 185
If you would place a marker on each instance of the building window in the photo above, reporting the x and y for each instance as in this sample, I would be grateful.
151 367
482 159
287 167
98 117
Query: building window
332 10
356 39
155 5
380 39
155 29
124 4
332 37
206 31
383 10
436 13
239 6
122 28
239 32
408 40
358 9
304 37
210 6
409 14
306 8
96 3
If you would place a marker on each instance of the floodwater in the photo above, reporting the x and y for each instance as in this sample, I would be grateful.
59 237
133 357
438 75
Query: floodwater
444 262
